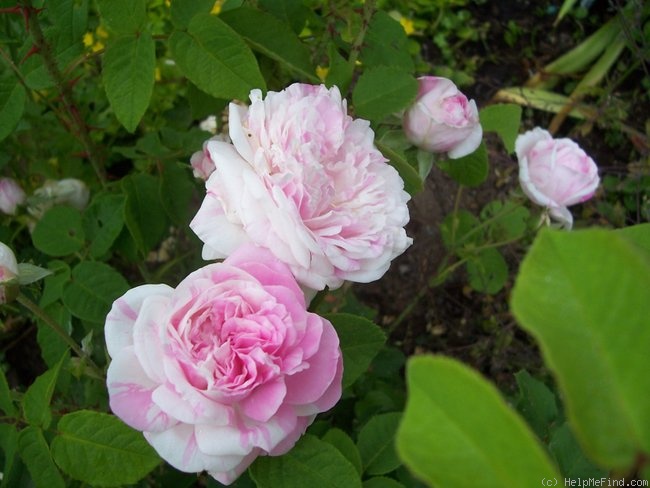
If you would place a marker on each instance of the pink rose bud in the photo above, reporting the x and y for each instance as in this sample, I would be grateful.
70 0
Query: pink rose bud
555 173
442 120
11 195
202 164
8 272
226 367
304 179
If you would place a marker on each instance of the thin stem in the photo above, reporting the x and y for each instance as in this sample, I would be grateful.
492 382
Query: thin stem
454 223
54 72
51 323
368 11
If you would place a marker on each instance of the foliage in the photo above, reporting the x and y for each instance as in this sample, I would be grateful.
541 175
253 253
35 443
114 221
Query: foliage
110 93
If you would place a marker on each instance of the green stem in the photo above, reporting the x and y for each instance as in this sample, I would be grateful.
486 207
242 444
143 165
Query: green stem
368 12
52 68
52 324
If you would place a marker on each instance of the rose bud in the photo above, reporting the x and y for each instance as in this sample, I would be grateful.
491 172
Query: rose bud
8 273
442 120
11 195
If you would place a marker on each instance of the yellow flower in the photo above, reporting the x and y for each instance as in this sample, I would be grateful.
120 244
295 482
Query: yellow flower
88 39
168 3
156 74
408 25
321 72
98 46
101 32
216 8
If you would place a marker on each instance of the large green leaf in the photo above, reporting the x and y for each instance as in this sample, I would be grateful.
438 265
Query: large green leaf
293 12
101 450
382 91
6 402
215 58
146 223
35 453
51 343
36 402
504 119
584 296
59 232
470 170
123 16
9 447
92 290
12 105
458 431
103 221
377 444
273 38
182 12
311 462
344 443
386 44
412 182
128 75
360 341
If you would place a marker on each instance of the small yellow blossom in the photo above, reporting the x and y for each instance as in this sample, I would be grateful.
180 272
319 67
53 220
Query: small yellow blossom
216 8
168 3
88 39
407 24
321 72
156 74
101 32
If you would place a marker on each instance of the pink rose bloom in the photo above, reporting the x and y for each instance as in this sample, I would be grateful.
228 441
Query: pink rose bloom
8 269
555 173
11 195
224 368
202 164
442 120
304 180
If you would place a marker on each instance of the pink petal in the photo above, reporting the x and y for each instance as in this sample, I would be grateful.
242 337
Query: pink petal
264 401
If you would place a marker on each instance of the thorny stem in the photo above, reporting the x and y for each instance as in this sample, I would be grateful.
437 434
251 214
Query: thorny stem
53 70
50 322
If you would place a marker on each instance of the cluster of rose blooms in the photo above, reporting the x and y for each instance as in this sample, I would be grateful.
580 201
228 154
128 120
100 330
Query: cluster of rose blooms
230 364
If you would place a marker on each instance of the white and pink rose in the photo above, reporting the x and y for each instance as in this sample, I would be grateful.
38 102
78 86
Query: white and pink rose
11 195
8 272
555 173
304 180
442 119
226 367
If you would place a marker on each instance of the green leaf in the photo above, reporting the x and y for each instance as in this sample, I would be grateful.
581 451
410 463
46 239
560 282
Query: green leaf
6 402
377 444
92 290
569 456
340 71
273 38
202 104
382 91
36 402
346 446
386 44
412 182
176 192
12 105
360 341
52 345
9 445
100 450
382 482
458 228
504 119
123 16
59 232
488 271
536 403
292 12
508 220
311 462
35 453
70 20
30 273
128 75
216 59
54 283
182 12
103 221
142 213
470 170
454 418
584 296
638 234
